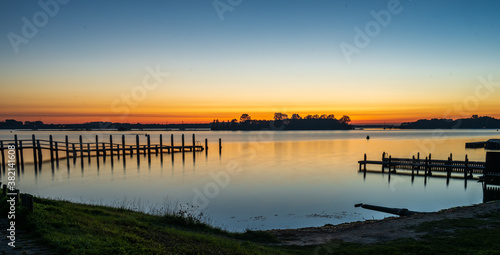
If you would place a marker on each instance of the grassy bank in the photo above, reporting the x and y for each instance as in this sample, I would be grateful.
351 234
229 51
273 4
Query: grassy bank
70 228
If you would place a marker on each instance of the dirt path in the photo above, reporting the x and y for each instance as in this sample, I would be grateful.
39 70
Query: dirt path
372 231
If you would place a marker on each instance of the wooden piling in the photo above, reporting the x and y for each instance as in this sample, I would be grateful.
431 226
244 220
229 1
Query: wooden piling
194 143
171 143
161 144
56 151
21 150
149 144
66 140
74 151
88 152
39 149
429 172
123 146
81 146
35 159
182 142
16 141
364 167
97 146
131 151
3 156
137 144
111 145
466 169
390 159
51 148
206 144
220 144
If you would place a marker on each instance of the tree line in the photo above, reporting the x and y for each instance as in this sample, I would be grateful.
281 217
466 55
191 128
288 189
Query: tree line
281 121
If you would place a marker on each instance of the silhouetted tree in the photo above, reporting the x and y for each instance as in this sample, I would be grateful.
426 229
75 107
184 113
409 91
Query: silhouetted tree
295 116
280 116
331 117
244 117
345 119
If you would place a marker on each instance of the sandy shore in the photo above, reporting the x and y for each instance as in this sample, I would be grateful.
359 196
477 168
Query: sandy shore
372 231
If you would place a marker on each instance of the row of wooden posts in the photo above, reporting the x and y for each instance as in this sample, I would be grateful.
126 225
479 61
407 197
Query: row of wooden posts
98 147
428 164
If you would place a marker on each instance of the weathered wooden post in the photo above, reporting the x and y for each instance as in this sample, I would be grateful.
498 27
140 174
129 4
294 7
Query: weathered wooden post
111 145
426 165
149 144
57 153
88 152
448 167
16 143
3 156
418 160
118 150
466 169
137 144
413 165
22 154
206 145
161 144
390 159
97 146
81 146
171 143
123 145
66 140
429 171
74 152
2 151
104 150
35 160
364 167
220 145
182 142
51 148
194 142
39 149
131 151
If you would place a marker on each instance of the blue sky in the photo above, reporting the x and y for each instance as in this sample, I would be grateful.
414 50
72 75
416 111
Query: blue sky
263 56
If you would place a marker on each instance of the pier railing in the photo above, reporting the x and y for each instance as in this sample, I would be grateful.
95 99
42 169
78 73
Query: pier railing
427 165
64 149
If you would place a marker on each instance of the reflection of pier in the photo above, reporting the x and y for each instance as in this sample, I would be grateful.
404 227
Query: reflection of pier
427 165
92 149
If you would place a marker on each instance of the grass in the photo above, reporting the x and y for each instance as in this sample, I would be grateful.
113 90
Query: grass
72 228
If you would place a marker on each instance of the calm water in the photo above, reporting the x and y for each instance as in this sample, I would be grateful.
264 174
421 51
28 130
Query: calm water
266 179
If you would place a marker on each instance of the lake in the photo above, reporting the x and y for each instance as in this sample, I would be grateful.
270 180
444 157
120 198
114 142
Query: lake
261 179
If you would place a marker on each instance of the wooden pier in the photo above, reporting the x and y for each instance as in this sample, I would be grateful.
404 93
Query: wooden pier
64 149
426 165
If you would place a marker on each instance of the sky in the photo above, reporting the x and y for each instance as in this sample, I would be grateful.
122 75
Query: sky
381 61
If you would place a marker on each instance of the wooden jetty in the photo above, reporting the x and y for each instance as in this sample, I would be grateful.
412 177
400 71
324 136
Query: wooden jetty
427 165
90 149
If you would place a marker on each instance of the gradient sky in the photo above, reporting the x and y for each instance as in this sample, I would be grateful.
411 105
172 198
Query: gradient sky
89 61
